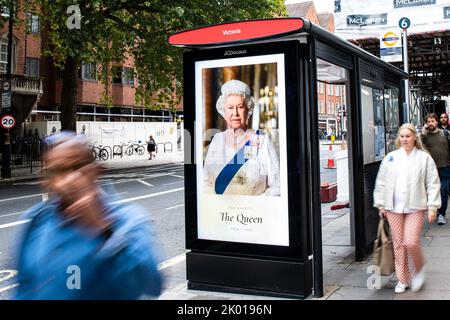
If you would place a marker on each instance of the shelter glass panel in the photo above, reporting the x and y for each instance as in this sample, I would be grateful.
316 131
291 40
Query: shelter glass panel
391 108
372 115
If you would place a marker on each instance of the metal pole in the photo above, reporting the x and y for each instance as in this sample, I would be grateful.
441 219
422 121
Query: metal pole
405 68
314 196
10 40
6 155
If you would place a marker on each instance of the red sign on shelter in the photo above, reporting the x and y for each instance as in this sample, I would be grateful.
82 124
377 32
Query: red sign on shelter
237 31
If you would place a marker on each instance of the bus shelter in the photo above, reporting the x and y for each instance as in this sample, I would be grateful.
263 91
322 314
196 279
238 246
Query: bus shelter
252 204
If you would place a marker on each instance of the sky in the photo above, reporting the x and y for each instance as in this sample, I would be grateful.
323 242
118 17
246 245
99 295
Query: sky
321 5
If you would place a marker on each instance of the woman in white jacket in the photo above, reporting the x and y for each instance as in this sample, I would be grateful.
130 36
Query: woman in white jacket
407 186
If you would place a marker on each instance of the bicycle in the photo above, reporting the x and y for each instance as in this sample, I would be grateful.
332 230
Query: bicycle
100 152
135 147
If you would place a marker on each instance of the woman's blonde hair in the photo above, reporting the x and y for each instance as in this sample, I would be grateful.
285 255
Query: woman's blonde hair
410 127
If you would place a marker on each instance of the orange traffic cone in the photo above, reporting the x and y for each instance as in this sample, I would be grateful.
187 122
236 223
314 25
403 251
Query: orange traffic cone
331 163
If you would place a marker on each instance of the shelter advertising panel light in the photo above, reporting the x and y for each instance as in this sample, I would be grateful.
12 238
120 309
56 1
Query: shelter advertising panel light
240 150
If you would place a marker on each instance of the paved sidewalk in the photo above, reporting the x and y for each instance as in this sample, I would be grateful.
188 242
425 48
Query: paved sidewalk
344 279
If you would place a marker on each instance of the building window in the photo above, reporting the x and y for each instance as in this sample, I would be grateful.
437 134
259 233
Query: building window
128 76
88 71
123 75
331 90
4 56
32 67
33 24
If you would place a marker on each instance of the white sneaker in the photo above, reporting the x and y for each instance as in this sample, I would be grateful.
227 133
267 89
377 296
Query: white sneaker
441 220
400 287
418 280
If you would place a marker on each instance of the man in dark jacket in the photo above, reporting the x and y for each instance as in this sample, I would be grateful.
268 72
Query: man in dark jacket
443 122
437 144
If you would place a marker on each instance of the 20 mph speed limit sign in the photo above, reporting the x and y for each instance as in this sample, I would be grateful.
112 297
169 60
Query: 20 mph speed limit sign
8 121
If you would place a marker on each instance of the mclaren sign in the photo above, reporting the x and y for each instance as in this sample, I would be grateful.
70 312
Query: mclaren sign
366 19
412 3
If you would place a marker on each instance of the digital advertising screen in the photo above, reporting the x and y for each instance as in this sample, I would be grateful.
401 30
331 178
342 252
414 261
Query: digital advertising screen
241 150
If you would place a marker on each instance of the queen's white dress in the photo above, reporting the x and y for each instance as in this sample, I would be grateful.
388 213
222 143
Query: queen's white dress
249 166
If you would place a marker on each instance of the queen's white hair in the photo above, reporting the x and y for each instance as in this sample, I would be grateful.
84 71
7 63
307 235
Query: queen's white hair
235 87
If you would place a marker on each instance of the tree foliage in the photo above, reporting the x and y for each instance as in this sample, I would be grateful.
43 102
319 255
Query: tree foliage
111 29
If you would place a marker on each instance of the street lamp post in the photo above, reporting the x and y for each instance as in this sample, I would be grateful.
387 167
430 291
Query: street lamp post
6 156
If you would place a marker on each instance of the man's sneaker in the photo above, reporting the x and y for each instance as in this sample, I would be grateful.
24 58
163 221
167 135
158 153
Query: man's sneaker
400 287
418 280
441 220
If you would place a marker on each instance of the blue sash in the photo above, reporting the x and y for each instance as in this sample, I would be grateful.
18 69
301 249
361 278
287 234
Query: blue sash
228 172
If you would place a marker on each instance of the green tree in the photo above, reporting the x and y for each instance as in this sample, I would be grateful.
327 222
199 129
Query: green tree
105 31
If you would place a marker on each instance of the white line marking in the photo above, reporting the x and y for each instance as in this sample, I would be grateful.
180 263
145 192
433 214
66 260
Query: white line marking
116 194
11 274
180 205
170 262
11 214
175 175
9 287
12 224
111 195
149 195
23 197
168 184
143 177
145 183
26 183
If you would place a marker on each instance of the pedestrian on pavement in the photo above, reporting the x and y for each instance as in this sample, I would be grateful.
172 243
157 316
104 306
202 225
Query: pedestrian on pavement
151 147
79 245
443 122
436 142
407 186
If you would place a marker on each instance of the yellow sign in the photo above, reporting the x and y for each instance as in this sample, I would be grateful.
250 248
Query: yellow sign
390 39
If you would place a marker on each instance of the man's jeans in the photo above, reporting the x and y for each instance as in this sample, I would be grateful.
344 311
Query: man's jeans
444 176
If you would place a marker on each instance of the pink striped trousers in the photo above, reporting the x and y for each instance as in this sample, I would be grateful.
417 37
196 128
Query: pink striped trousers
406 230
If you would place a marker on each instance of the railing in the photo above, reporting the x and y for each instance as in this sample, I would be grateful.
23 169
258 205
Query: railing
26 151
117 150
168 146
24 84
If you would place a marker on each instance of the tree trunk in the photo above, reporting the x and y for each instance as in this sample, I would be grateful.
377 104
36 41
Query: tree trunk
69 94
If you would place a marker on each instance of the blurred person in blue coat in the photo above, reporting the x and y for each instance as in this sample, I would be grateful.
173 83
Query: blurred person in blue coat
78 245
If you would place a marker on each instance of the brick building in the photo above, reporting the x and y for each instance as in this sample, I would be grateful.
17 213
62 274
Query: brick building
26 84
37 84
331 96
